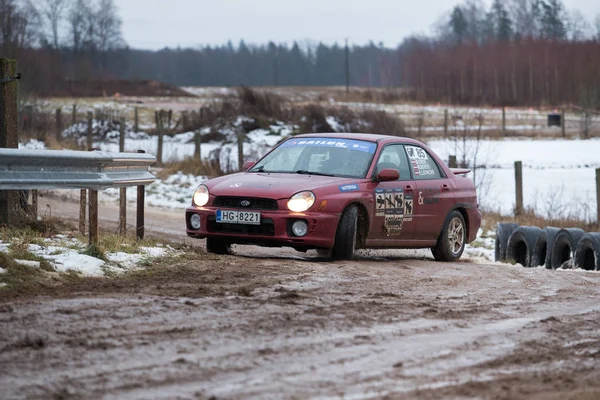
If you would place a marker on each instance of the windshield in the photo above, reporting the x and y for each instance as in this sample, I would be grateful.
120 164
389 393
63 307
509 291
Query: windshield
320 156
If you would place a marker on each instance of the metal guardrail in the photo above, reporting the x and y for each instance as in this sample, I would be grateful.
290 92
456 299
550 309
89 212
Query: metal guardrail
55 169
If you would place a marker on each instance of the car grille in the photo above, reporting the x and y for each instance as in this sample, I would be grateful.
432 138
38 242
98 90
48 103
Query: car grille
255 203
266 227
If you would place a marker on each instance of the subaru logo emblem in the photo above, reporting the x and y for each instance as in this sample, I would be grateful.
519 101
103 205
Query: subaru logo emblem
244 203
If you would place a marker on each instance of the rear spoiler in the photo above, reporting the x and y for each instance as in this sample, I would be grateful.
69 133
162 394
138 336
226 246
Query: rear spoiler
460 171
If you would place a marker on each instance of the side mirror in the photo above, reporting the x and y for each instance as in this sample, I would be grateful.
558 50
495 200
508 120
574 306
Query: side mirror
247 165
388 174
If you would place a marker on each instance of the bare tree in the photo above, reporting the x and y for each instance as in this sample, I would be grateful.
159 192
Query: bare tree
53 12
597 26
77 24
17 22
525 15
108 26
578 27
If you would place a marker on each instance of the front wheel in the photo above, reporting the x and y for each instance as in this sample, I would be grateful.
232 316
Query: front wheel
452 240
345 236
217 246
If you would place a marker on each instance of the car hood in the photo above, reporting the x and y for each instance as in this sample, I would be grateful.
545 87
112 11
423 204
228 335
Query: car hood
269 185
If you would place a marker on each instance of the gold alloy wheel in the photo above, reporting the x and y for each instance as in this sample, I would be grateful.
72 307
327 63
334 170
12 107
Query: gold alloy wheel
456 235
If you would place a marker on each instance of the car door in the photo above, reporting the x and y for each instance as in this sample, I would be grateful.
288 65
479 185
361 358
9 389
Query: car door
392 218
434 197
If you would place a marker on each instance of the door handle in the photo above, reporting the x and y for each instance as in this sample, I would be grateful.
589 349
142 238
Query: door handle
445 188
408 188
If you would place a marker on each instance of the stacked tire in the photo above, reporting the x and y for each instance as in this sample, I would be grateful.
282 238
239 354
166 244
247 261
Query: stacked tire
551 247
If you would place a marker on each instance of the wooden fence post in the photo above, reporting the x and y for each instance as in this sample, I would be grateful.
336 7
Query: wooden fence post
9 135
519 187
445 122
58 124
122 191
90 139
563 123
240 146
74 114
198 144
503 121
159 117
598 197
139 226
452 161
136 120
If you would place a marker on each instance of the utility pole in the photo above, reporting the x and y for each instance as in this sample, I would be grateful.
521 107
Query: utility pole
347 68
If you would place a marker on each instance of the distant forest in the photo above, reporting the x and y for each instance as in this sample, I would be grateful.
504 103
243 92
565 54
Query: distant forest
514 52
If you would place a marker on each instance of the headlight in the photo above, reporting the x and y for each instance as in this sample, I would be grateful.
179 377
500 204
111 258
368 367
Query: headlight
301 201
201 196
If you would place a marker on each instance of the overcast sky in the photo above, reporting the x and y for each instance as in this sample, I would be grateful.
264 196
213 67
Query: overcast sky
154 24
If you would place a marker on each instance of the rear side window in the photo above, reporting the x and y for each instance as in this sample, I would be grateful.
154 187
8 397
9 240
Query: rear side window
423 166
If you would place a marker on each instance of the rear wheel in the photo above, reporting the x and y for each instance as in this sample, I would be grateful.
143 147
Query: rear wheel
217 246
345 236
452 240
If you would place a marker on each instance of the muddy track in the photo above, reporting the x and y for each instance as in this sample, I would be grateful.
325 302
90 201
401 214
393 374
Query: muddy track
387 325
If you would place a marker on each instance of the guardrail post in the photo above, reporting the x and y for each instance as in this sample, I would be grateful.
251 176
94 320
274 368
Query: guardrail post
519 187
58 124
90 139
122 191
9 135
34 203
82 209
452 161
139 229
93 217
598 196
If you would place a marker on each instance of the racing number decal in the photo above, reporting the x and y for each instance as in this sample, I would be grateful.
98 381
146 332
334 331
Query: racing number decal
392 205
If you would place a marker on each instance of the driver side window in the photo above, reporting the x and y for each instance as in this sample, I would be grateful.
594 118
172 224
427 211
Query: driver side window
394 157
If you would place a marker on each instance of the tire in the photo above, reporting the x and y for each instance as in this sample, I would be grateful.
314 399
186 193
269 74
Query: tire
503 232
217 246
345 235
565 244
587 255
541 250
451 242
521 244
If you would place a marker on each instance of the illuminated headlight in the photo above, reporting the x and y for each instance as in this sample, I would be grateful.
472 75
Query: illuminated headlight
201 196
300 228
301 201
195 221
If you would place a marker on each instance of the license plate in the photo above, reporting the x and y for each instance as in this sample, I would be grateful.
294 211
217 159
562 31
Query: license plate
238 217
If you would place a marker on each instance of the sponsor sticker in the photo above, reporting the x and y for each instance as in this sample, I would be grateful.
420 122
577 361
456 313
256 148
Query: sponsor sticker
357 145
349 188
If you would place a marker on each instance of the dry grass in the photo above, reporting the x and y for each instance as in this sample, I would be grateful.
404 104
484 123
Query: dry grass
190 165
529 218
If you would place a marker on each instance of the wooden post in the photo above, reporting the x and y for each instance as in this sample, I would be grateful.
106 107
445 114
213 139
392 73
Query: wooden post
34 204
519 187
563 123
136 120
82 207
452 161
159 117
122 135
445 122
198 143
503 121
598 196
9 135
90 138
139 226
122 191
58 124
93 217
240 150
74 114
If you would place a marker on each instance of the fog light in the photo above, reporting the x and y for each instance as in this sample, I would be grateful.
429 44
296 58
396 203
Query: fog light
195 221
300 228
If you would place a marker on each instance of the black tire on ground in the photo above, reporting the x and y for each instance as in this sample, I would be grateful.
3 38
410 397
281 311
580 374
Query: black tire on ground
587 255
451 242
503 232
345 236
564 246
217 246
541 250
521 243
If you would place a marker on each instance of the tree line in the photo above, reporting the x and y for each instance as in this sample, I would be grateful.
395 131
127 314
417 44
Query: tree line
514 52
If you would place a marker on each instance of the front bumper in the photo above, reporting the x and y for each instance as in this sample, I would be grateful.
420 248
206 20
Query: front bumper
274 230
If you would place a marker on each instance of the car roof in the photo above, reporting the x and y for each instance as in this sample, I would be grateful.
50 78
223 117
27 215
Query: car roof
368 137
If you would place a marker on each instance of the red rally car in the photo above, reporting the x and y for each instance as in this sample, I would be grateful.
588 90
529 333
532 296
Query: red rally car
337 193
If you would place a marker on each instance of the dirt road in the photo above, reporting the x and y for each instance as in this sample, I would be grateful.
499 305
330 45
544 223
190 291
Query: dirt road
384 326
